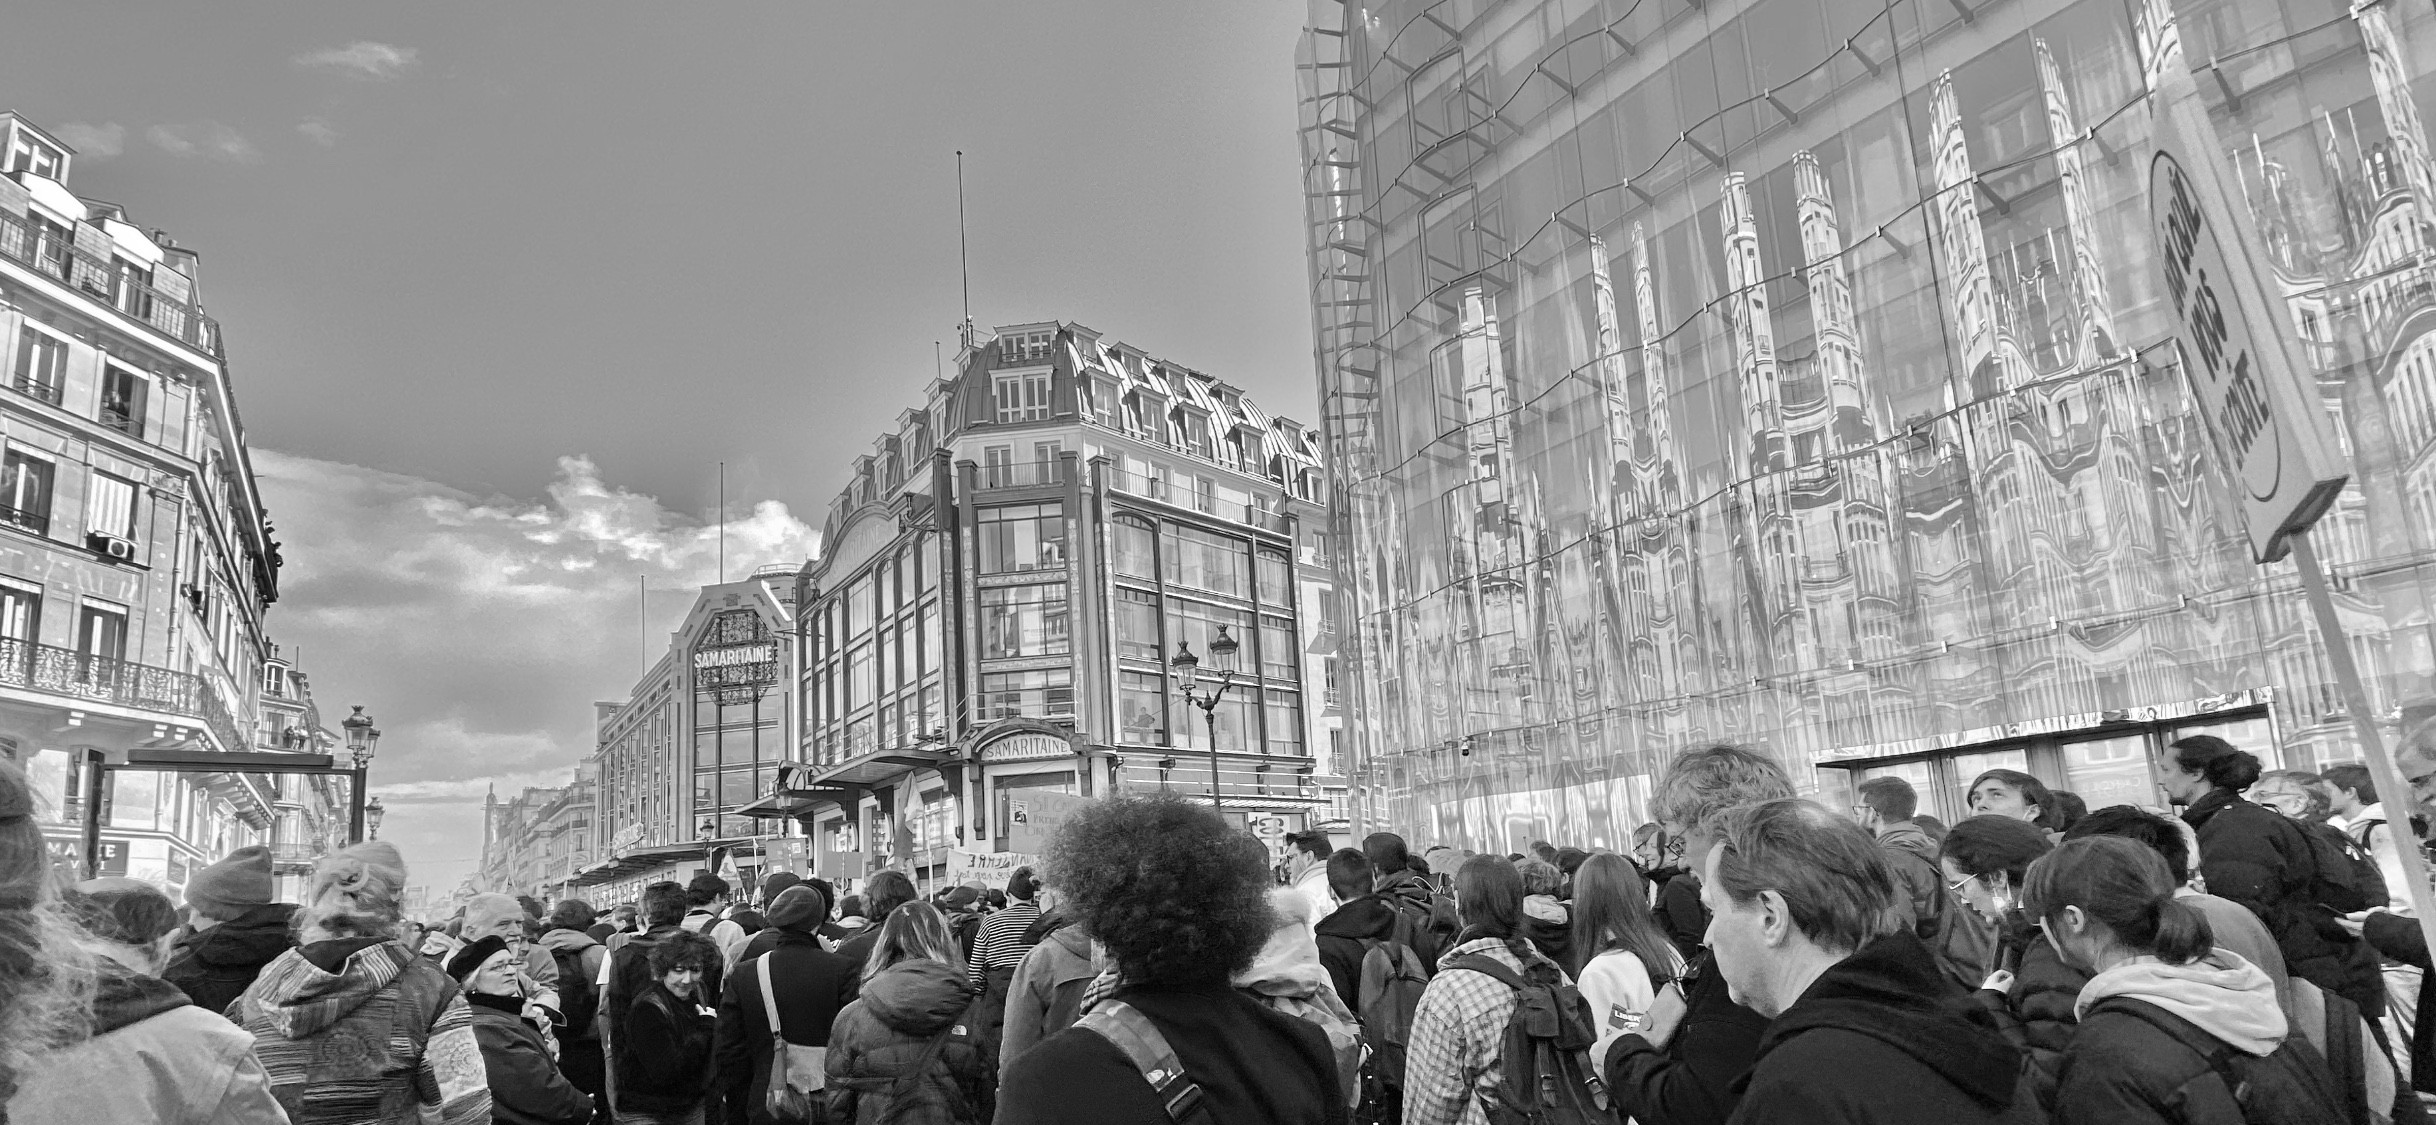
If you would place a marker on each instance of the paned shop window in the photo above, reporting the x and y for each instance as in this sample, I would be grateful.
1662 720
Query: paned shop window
1038 695
1023 621
1022 537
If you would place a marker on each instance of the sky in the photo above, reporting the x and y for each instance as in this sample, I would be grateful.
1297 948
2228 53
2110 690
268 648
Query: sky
503 284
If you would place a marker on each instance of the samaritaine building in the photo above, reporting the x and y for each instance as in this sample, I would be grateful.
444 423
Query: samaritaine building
1796 373
135 560
1006 583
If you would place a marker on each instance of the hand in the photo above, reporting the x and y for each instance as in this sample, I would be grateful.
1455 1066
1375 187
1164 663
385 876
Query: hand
1664 1015
1999 981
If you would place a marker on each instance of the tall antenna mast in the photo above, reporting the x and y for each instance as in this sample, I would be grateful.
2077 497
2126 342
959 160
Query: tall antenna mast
964 259
642 595
723 523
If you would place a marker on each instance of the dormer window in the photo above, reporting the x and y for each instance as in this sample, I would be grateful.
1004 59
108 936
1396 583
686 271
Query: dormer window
1022 398
28 153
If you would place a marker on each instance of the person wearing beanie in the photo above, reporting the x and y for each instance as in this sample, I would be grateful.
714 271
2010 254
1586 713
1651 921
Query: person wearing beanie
526 1087
153 1056
352 1026
235 929
811 986
776 884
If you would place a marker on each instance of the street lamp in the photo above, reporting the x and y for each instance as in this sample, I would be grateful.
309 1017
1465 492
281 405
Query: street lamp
362 739
372 818
1188 674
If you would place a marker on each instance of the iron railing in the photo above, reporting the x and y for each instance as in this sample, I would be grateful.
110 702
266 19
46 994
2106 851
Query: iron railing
1225 502
37 388
1019 474
47 252
37 522
76 675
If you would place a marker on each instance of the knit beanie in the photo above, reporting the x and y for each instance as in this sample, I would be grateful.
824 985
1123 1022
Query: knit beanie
776 884
798 908
240 882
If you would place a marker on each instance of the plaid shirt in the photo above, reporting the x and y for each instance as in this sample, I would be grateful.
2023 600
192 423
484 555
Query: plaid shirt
1450 1063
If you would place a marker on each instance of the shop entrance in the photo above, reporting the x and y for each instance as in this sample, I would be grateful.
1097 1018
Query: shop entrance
2105 764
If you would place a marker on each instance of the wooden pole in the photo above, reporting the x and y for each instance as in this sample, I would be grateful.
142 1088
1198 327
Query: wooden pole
2392 790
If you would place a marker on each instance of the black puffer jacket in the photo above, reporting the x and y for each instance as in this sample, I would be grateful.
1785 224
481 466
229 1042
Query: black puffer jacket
882 1037
1882 1038
2036 1014
213 967
1697 1077
2255 857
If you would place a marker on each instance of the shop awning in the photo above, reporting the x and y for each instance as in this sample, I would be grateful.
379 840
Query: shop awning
639 860
880 766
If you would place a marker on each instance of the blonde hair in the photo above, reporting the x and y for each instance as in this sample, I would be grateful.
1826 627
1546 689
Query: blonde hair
913 932
46 968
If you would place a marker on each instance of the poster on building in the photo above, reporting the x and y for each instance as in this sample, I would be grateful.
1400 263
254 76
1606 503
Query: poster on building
2237 342
990 869
1032 817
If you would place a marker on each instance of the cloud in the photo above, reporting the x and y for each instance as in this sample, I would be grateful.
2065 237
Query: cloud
208 139
478 631
319 131
94 142
362 59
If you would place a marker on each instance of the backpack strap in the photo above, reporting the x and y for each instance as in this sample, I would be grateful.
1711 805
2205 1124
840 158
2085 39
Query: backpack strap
2214 1050
1132 1033
769 997
1491 967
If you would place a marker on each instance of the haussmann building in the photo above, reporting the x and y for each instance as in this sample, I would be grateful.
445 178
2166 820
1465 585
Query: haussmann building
1798 373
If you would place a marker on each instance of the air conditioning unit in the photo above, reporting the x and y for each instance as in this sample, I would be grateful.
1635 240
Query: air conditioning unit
112 547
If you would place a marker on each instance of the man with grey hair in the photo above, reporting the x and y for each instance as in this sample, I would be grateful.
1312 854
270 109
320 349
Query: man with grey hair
502 917
1863 1028
1695 1042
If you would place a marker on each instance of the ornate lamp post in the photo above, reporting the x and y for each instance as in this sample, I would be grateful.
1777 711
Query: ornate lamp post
1188 667
362 739
372 818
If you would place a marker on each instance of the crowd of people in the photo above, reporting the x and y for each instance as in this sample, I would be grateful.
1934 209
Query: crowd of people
1756 957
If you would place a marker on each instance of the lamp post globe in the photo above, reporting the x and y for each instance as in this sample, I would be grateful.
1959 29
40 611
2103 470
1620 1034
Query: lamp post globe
362 740
372 818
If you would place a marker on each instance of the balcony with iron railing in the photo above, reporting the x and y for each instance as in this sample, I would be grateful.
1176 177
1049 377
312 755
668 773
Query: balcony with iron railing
1019 474
46 252
1224 503
51 670
37 522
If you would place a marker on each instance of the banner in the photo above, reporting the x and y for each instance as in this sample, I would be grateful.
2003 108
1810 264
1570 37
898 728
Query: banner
990 869
1032 816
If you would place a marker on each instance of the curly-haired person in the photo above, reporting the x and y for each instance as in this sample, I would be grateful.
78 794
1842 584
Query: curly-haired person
1179 900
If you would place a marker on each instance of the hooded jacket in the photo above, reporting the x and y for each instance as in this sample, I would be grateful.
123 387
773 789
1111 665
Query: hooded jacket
1880 1037
526 1086
1060 959
153 1057
2121 1068
1287 977
213 967
1341 935
1548 924
363 1032
885 1034
1912 857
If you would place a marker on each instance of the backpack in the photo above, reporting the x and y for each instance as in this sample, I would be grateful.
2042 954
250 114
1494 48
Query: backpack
2365 853
579 996
2290 1087
1544 1075
2347 877
1390 989
1138 1039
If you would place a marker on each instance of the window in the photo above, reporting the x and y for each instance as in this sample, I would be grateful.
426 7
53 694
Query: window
1276 578
53 248
1210 562
1023 537
1044 694
1138 707
131 287
110 506
1135 544
42 364
102 631
1022 398
1196 624
1023 621
20 612
25 492
1277 656
1137 626
25 154
1285 722
122 403
997 466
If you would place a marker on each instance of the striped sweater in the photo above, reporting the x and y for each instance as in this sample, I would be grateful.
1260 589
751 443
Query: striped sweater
365 1033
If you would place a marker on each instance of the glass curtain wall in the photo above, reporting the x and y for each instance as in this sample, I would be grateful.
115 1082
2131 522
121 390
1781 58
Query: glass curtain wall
1795 372
874 670
1177 585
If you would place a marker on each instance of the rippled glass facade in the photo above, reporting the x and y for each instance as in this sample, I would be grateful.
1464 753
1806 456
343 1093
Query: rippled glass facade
1795 372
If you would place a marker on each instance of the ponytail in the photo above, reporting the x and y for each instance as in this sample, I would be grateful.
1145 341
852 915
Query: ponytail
2179 933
